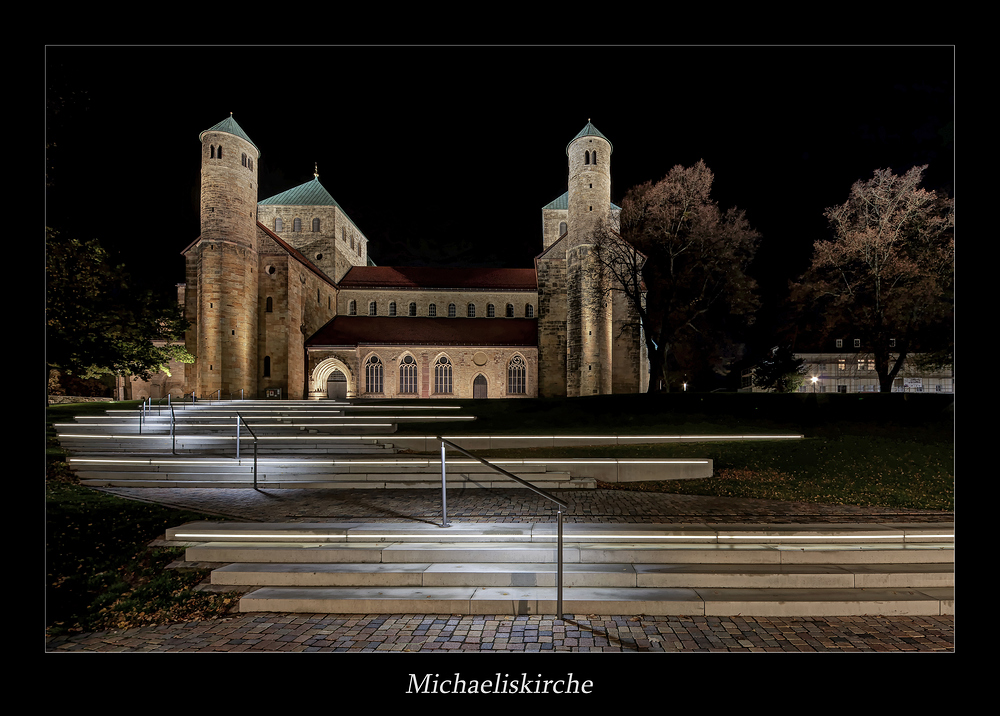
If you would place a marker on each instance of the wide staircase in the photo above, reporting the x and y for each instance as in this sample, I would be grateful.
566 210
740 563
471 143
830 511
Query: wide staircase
487 568
511 569
325 444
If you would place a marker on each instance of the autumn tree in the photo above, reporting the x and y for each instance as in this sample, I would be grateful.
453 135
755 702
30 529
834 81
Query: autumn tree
680 261
98 321
779 370
887 272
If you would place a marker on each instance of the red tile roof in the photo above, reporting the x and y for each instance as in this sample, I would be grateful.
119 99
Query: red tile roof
429 277
399 330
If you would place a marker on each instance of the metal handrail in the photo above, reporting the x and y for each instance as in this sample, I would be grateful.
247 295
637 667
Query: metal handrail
239 419
562 506
173 440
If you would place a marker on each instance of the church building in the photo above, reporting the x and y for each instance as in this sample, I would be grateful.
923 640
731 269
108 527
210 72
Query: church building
285 301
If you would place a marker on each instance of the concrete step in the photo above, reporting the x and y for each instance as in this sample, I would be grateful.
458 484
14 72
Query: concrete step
398 468
543 574
510 568
600 600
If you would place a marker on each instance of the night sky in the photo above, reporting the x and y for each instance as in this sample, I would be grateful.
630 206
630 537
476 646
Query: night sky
447 154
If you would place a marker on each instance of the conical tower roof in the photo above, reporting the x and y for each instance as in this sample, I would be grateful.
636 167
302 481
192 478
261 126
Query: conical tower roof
589 131
230 126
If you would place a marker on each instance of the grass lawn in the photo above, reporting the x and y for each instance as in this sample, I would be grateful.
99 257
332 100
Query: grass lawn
892 451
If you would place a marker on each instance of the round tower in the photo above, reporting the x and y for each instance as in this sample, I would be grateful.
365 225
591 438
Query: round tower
222 266
588 339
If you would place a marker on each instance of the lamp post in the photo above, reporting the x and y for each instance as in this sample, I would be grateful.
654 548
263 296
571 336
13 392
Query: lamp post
815 380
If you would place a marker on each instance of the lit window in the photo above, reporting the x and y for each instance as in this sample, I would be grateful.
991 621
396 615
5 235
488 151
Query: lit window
442 375
373 375
407 375
432 310
516 371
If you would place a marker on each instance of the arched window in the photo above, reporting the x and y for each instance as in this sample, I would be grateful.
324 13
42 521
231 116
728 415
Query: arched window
269 307
267 366
297 225
213 151
451 310
373 375
372 308
352 308
432 310
510 310
219 154
595 156
471 310
392 308
586 157
529 311
315 224
516 371
244 159
413 309
562 227
407 375
491 311
442 375
278 225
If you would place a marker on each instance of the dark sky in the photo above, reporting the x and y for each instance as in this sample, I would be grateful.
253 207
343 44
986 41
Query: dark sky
449 153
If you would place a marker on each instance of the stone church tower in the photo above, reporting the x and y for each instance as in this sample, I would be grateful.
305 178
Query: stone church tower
588 320
221 288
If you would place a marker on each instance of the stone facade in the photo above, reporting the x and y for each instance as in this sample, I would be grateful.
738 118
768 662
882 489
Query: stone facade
284 300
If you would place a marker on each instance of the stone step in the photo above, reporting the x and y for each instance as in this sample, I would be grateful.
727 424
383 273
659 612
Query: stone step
587 553
600 600
543 574
510 568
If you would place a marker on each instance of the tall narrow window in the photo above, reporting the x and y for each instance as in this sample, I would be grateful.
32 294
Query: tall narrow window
373 375
516 371
529 311
442 375
244 159
297 225
432 310
451 310
510 310
392 308
278 226
562 227
471 310
407 375
315 224
413 309
491 311
352 308
270 305
586 156
267 366
595 156
372 308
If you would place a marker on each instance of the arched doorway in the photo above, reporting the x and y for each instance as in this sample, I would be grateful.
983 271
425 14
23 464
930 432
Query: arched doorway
336 385
479 386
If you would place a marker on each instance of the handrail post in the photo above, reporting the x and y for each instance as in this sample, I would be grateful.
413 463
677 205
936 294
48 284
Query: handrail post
237 436
559 562
444 489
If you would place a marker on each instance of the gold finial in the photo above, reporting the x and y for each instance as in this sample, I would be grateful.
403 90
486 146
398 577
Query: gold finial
316 169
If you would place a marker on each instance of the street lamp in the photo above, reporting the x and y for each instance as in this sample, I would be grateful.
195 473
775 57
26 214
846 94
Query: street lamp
815 380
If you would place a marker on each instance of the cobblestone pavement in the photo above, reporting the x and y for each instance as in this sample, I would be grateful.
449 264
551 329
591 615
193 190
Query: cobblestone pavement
273 632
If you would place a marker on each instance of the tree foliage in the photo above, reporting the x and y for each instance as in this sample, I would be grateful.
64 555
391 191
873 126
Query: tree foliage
887 273
779 371
681 262
98 321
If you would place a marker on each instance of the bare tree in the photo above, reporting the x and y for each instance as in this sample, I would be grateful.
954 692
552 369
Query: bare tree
680 261
888 272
